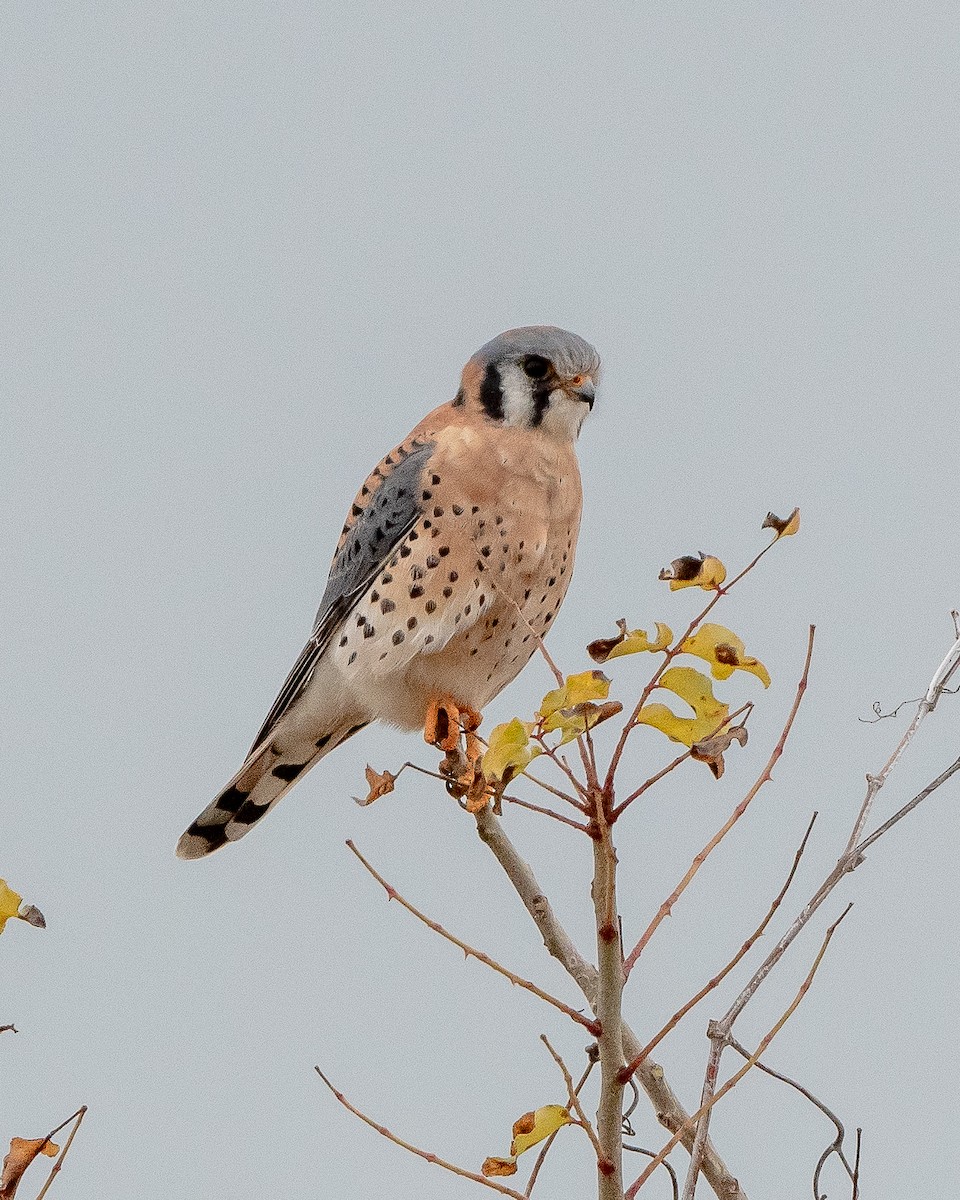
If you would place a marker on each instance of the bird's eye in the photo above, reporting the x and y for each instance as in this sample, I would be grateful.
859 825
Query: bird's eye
536 366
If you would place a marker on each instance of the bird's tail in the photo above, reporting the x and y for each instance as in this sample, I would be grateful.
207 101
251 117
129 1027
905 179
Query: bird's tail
265 777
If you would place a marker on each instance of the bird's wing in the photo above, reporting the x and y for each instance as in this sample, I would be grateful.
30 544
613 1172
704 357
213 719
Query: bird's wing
386 509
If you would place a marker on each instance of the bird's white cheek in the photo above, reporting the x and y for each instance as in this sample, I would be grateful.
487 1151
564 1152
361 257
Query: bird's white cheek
564 417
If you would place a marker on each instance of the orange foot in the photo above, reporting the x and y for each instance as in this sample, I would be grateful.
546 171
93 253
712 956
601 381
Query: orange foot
445 719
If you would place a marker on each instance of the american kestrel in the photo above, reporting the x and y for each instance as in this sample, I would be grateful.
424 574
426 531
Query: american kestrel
455 557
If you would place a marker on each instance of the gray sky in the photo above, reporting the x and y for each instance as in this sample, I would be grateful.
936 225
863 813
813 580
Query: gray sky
247 246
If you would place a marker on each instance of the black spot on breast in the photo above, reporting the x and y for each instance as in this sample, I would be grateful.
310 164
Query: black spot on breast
428 639
437 511
416 572
387 578
475 509
457 510
431 606
453 577
398 637
428 495
485 551
356 510
374 596
352 659
483 598
427 523
343 641
551 581
432 561
411 622
387 606
360 619
321 742
368 631
466 611
447 592
416 592
412 536
473 651
405 551
434 479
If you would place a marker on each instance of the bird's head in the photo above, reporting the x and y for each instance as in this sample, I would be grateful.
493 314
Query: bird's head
536 377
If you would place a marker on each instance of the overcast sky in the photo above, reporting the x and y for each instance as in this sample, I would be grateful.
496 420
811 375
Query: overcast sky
247 246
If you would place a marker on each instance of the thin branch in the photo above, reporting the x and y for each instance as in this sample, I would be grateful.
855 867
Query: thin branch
545 1148
856 1164
836 1146
650 1075
908 807
573 1100
54 1170
542 783
734 1079
469 951
765 775
547 812
9 1029
424 1154
721 975
674 1183
941 677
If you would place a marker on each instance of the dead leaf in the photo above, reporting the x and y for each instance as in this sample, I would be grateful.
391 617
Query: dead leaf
22 1153
381 783
782 526
498 1166
711 749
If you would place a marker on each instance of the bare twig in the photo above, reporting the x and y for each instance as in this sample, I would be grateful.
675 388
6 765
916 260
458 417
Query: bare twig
55 1169
836 1146
765 775
470 952
573 1100
545 1148
941 677
547 812
9 1029
674 1183
669 1111
424 1154
714 1097
856 1164
721 975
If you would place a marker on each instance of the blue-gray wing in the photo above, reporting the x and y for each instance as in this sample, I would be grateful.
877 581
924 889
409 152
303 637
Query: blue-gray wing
378 523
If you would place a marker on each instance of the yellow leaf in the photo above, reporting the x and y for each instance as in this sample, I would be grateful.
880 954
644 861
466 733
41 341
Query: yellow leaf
704 571
379 783
782 526
9 903
533 1127
498 1166
634 642
578 689
695 689
509 751
725 653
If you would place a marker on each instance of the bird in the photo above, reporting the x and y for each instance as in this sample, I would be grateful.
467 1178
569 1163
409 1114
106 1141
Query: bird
452 564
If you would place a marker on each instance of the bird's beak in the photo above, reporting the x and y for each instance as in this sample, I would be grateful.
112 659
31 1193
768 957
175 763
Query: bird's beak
584 390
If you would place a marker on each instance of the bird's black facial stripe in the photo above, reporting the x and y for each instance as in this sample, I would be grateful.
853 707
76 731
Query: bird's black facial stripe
540 390
491 393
